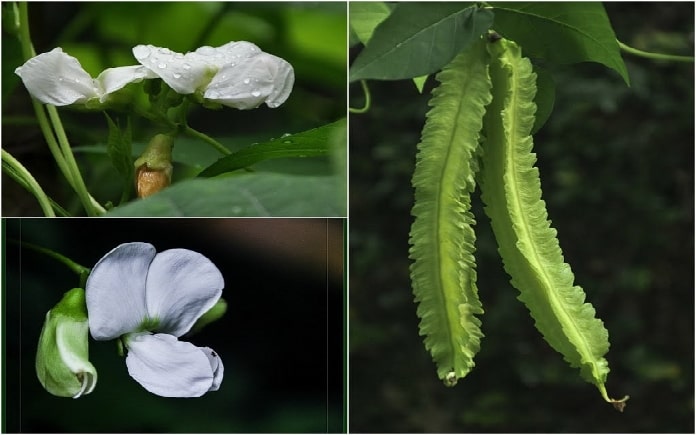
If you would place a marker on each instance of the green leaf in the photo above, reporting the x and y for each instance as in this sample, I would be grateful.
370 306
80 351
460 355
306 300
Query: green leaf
365 16
118 147
253 194
442 239
311 143
529 246
563 33
419 39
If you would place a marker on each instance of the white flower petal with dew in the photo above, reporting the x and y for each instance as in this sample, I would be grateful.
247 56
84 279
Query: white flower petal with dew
168 367
181 286
237 74
246 85
115 290
57 78
114 79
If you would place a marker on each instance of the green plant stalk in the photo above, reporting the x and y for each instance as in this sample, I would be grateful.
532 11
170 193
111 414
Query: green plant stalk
75 267
64 159
656 56
20 174
207 139
368 100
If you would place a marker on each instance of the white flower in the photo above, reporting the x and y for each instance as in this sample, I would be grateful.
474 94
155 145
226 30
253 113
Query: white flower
149 300
237 74
58 78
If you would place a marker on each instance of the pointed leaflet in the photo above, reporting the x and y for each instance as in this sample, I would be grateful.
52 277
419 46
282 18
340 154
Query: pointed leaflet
442 239
418 39
563 33
527 243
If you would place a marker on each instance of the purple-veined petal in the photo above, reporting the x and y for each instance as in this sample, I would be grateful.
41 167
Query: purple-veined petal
216 366
113 79
181 286
184 73
57 78
168 367
115 290
248 84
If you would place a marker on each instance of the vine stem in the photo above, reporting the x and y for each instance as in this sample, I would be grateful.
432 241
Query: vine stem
368 99
209 140
75 267
656 56
58 144
20 174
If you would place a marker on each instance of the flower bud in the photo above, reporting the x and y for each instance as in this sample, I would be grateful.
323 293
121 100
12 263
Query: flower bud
62 363
153 169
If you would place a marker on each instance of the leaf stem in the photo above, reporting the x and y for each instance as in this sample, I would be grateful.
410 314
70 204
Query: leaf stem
19 173
656 56
368 99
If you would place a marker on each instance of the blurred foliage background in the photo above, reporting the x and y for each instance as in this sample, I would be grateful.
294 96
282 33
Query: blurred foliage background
617 171
281 340
309 35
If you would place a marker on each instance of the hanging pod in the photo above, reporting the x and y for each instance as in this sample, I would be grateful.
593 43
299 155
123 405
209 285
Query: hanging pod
442 238
529 247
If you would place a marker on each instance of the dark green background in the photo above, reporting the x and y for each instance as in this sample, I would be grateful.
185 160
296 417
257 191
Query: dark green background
616 167
280 340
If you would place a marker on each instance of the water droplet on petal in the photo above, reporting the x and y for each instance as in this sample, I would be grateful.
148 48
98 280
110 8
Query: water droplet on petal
60 79
256 93
165 51
162 65
177 75
247 81
186 66
141 52
178 56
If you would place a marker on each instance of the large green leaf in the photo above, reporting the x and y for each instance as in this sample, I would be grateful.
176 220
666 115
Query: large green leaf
254 194
561 32
418 39
365 16
310 143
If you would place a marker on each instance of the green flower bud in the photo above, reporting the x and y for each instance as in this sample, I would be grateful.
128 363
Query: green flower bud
153 169
214 313
62 363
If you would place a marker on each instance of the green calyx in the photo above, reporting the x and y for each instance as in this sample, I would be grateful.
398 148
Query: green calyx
62 357
215 313
157 154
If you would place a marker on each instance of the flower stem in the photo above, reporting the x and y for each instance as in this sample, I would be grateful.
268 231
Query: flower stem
656 56
75 267
60 148
204 137
19 173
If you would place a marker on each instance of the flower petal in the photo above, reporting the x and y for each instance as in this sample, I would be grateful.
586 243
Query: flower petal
113 79
115 290
183 73
168 367
216 366
57 78
181 286
245 85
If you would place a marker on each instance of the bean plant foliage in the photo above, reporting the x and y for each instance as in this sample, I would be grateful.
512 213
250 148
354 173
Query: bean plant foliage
493 94
156 146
